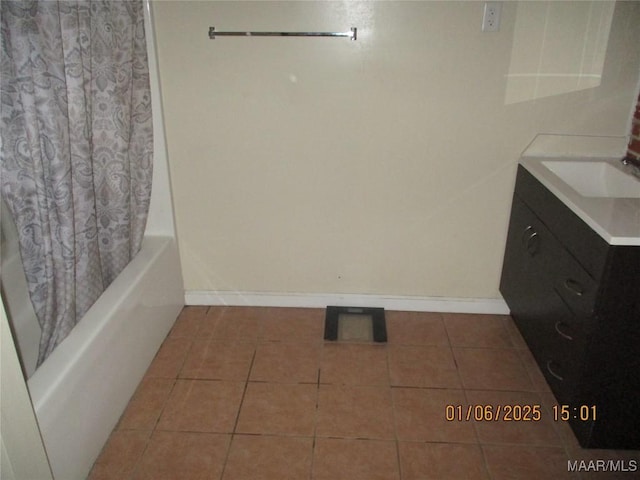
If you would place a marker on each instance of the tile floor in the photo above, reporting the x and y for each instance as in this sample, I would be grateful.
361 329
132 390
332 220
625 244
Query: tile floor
255 393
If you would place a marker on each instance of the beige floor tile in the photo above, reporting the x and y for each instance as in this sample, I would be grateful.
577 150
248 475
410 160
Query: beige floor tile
568 438
531 366
355 460
563 429
351 364
492 369
147 403
437 461
471 330
278 409
423 366
287 362
514 333
420 415
526 463
241 324
210 321
170 358
415 328
264 457
375 406
349 411
184 456
305 325
523 419
189 322
120 455
202 406
218 360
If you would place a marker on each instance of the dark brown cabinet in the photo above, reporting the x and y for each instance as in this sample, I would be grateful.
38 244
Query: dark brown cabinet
576 301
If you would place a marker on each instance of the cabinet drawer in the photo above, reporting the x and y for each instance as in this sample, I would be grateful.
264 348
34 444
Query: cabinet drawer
572 282
588 247
561 360
557 341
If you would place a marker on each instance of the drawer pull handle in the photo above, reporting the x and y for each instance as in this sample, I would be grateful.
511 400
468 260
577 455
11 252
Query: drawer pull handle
531 242
561 333
549 362
573 287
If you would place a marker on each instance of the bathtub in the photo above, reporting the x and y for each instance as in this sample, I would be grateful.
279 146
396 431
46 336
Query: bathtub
80 391
83 387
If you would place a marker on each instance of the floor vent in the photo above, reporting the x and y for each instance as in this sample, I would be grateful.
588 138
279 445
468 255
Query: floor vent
355 324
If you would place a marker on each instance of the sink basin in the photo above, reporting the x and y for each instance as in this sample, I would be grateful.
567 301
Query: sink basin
595 178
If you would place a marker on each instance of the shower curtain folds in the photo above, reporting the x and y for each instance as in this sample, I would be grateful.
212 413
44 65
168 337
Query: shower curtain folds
77 147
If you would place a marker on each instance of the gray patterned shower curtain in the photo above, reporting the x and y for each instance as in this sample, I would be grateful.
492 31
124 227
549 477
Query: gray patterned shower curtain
76 148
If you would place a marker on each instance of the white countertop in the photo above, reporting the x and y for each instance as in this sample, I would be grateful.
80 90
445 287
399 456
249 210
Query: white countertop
616 220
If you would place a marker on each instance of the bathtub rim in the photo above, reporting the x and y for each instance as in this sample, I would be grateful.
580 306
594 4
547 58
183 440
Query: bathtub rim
79 394
62 360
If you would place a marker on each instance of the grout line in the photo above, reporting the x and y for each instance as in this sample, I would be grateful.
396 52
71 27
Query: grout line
244 392
136 466
394 424
235 424
455 360
313 456
226 457
151 432
390 386
485 461
316 413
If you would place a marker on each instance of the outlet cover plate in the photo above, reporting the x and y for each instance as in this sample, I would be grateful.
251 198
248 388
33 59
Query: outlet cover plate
491 16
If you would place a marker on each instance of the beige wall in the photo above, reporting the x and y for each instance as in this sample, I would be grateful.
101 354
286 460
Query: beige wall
380 166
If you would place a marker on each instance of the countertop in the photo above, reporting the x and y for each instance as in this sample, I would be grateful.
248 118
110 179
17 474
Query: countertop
616 220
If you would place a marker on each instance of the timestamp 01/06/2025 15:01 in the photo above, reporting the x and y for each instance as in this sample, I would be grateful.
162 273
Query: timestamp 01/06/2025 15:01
517 413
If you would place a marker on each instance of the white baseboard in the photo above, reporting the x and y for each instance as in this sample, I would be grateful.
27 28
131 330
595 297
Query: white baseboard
321 300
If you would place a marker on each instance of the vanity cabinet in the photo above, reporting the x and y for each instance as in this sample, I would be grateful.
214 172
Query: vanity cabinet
576 301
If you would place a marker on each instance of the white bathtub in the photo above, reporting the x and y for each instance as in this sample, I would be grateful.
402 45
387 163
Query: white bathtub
81 390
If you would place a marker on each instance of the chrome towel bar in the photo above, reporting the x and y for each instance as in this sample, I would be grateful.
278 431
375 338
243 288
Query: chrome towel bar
351 34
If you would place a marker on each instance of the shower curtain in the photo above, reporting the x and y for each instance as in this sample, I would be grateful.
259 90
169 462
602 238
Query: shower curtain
76 148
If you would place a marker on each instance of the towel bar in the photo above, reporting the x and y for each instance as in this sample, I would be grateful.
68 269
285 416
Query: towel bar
351 34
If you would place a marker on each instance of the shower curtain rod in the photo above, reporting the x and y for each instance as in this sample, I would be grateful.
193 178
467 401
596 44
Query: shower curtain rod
351 34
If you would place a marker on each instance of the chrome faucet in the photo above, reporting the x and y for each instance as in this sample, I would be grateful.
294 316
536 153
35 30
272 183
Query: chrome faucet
633 164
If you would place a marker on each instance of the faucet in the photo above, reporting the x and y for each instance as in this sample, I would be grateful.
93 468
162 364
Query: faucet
633 163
